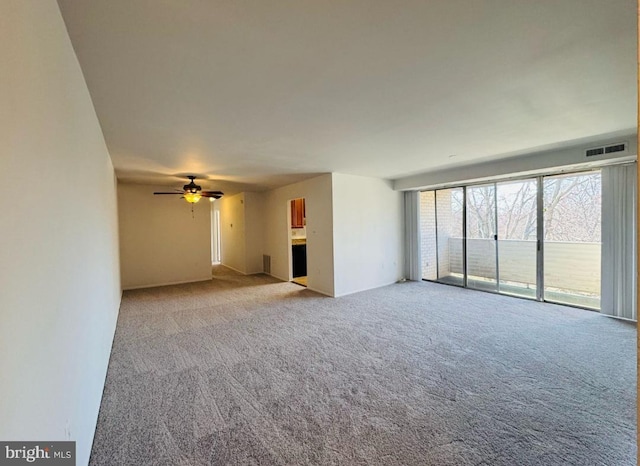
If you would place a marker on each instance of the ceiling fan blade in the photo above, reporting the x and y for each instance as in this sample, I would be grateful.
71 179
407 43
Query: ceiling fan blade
180 193
212 193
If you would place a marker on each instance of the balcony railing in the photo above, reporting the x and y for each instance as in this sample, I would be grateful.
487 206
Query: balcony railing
570 268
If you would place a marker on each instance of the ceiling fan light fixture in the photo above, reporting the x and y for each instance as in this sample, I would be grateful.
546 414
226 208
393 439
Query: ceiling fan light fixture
192 193
192 198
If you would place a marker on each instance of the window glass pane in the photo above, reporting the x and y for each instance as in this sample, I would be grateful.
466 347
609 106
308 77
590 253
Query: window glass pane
428 235
517 237
449 203
572 241
481 243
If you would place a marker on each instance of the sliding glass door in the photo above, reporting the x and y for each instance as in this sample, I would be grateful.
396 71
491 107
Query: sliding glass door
537 238
517 234
441 235
428 241
449 235
481 238
572 239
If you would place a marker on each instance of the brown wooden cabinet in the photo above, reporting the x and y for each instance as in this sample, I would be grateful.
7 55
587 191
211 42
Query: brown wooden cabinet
297 213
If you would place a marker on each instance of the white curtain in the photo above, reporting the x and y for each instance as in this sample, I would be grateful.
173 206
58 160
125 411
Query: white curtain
619 226
412 235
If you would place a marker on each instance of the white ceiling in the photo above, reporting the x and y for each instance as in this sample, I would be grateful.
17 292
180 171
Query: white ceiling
256 94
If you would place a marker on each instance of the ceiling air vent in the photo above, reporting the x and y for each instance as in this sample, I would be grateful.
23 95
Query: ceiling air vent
610 149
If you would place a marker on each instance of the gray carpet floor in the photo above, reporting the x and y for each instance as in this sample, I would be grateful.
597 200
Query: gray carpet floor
249 370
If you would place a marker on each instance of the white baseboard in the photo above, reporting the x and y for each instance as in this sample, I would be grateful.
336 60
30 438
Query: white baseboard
365 289
155 285
232 268
239 271
323 293
278 278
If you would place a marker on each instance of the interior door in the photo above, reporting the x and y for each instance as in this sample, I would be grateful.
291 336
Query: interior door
481 238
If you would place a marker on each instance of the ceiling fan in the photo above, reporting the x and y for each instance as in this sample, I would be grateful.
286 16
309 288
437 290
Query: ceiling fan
191 192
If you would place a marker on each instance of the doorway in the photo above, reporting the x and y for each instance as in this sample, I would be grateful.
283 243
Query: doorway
298 240
215 233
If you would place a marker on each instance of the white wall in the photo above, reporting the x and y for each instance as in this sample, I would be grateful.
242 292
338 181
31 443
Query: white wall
161 241
277 231
254 231
233 241
242 231
354 232
532 163
59 278
367 233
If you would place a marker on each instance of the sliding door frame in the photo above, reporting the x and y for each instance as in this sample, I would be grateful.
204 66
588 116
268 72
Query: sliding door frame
540 239
495 235
435 217
539 229
464 235
465 276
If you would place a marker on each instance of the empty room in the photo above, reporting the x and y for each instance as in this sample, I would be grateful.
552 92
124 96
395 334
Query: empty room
313 233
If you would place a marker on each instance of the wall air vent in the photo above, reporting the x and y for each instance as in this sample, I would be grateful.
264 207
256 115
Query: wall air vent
595 151
615 148
610 149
